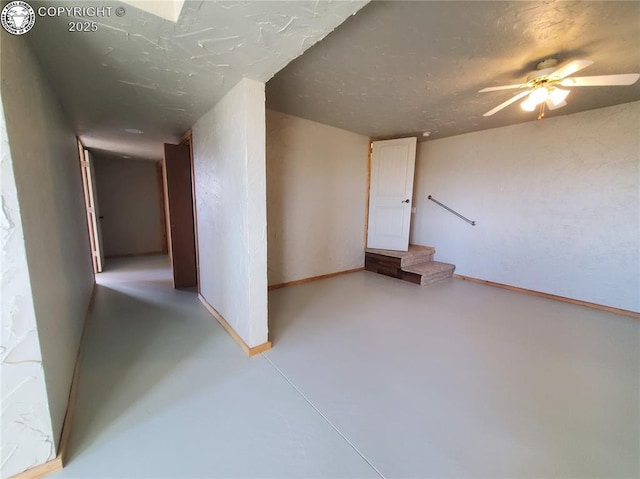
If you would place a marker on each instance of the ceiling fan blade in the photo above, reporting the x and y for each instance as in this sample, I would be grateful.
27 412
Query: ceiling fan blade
552 106
504 87
570 68
511 100
602 80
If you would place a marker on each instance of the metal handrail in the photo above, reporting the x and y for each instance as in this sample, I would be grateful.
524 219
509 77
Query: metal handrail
472 223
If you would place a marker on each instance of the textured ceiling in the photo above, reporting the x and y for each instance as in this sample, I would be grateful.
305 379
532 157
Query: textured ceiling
399 68
142 72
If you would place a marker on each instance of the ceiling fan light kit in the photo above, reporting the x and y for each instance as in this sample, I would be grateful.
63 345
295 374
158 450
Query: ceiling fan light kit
558 96
551 96
541 88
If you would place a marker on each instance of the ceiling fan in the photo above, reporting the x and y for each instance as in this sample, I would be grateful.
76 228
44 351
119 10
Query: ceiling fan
542 88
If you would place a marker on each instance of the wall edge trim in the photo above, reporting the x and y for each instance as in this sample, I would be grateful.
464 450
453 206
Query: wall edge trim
250 351
313 278
517 289
57 463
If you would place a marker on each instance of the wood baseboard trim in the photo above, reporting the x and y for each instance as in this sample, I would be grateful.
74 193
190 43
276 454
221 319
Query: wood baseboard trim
517 289
313 278
49 467
65 436
250 351
56 464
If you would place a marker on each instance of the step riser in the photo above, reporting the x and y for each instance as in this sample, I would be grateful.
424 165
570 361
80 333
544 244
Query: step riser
382 261
391 262
404 276
389 267
415 255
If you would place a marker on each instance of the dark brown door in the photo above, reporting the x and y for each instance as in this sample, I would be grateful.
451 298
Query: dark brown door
179 202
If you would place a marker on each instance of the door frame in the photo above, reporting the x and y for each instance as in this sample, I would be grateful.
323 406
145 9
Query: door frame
89 193
366 211
163 220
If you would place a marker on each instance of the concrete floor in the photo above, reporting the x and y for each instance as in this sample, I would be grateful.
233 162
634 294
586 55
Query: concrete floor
369 377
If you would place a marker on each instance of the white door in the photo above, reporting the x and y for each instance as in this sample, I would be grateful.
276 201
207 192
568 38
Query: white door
390 193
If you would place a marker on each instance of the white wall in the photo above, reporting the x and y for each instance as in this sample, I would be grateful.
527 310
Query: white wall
130 202
557 203
27 435
230 185
46 170
316 198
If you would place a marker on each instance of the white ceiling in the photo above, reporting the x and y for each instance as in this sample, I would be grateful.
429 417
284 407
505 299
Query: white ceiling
143 72
400 68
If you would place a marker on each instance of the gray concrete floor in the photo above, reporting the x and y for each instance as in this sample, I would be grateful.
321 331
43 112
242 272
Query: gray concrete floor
369 377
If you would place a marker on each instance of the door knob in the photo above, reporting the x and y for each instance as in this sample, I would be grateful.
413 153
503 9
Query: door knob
405 201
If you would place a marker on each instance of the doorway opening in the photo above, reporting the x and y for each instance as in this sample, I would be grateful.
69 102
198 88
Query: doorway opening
180 210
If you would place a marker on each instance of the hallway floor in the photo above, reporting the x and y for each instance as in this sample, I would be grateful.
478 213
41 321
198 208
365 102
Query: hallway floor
369 377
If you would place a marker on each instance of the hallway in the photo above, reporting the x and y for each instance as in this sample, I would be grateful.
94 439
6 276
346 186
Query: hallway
369 377
166 393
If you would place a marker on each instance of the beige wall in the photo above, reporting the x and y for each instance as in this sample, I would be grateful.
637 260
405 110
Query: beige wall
557 204
317 194
130 202
229 167
50 211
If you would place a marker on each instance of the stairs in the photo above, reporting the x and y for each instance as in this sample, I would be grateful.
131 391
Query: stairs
416 265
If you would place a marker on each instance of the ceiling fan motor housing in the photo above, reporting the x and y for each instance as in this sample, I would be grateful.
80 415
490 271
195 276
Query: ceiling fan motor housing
540 73
546 64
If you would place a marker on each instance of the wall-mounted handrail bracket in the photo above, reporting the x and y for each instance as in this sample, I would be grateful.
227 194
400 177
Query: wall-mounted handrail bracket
471 222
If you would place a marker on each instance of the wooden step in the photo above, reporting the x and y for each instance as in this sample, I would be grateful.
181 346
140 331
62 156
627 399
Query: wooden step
416 265
416 254
431 272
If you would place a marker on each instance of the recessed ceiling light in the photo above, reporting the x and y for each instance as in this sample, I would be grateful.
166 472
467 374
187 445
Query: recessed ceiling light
134 131
126 156
426 133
